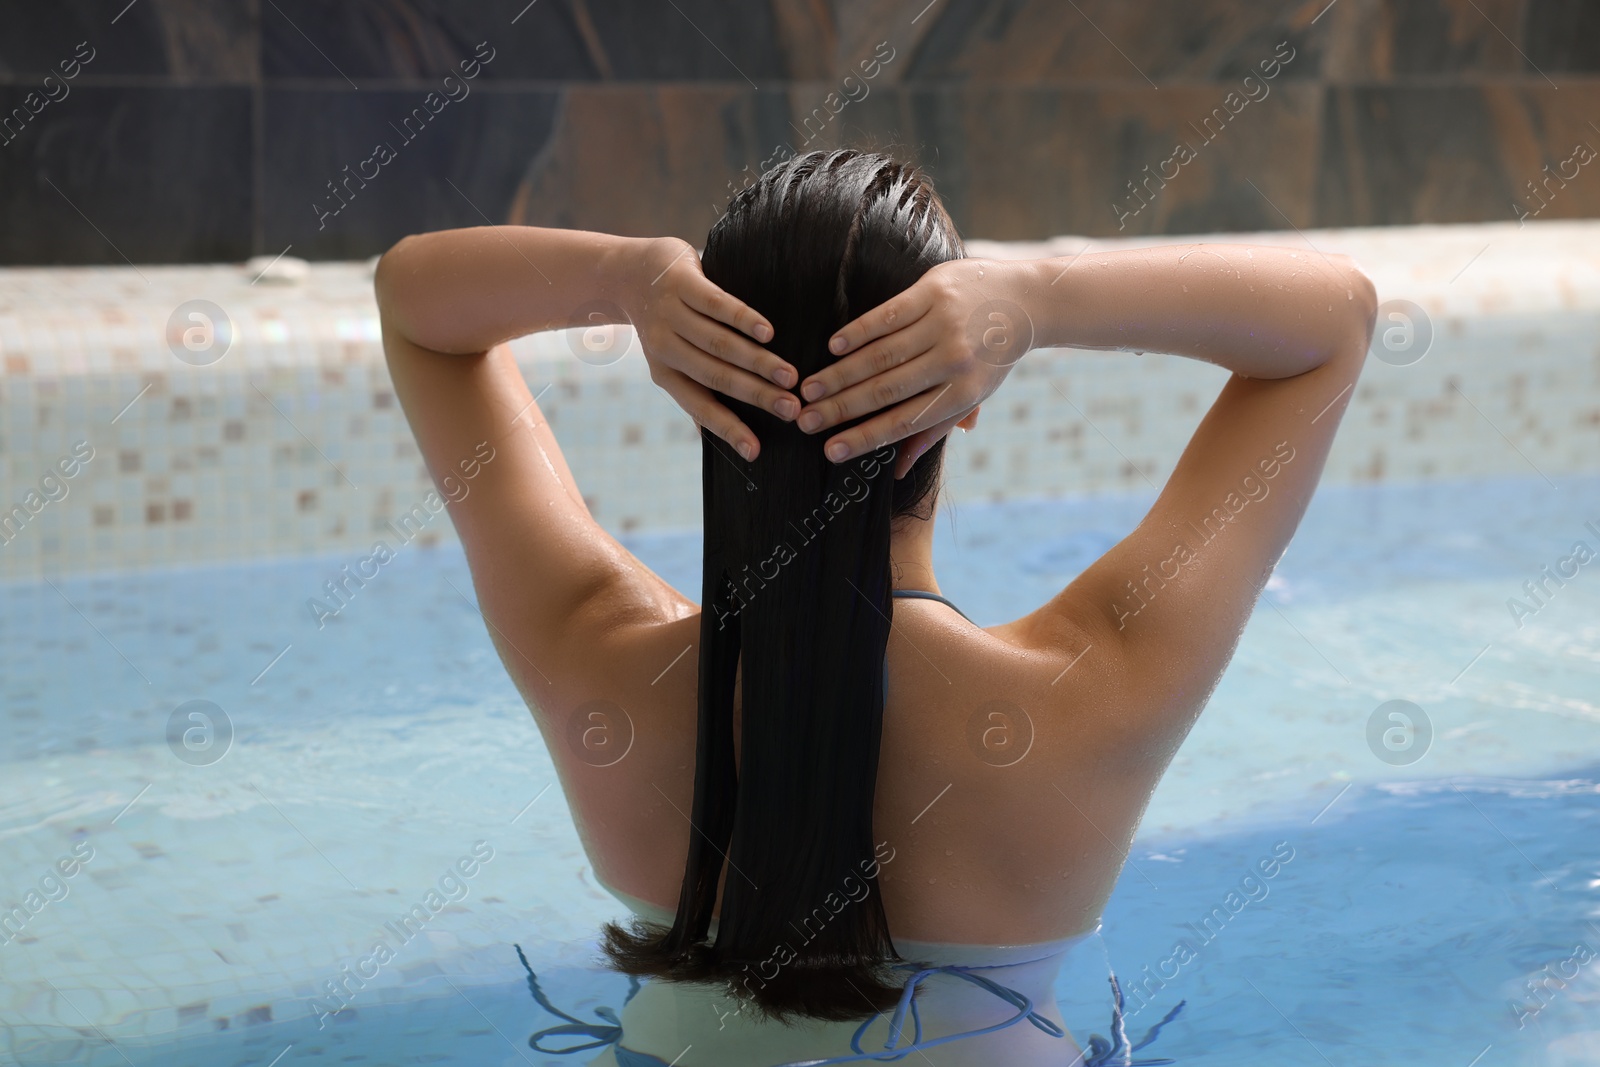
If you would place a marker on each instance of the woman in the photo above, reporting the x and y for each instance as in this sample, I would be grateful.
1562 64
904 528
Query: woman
874 822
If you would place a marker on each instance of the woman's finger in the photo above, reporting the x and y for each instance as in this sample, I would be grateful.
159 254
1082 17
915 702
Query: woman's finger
921 412
706 411
914 376
868 362
893 314
709 299
721 376
717 340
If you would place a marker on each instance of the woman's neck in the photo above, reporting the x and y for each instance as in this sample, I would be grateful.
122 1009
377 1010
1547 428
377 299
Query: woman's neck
911 555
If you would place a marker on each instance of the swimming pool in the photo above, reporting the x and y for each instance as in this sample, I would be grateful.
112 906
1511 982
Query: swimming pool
227 869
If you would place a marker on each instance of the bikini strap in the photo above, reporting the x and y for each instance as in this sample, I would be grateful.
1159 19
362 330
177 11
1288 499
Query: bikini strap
923 594
893 1050
1100 1053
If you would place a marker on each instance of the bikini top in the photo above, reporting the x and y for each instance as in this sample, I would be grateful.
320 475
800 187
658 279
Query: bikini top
1100 1052
916 594
923 594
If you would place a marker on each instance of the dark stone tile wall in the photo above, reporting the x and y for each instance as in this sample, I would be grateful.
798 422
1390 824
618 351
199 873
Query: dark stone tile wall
327 190
142 173
189 130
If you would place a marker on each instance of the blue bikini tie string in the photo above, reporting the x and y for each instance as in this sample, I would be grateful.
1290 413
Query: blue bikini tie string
892 1050
1100 1050
603 1035
1116 1052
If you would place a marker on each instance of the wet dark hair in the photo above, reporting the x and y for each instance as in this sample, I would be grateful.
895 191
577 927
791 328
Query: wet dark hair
797 578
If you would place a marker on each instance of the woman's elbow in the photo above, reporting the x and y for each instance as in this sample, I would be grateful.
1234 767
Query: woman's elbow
1361 299
392 268
1346 306
394 287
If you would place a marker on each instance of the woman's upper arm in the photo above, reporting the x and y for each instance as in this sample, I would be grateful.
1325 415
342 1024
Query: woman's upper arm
1162 611
544 570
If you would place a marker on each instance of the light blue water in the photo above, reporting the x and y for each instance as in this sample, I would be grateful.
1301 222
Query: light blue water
371 755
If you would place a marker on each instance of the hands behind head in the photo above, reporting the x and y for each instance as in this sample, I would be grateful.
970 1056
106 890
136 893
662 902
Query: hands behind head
924 360
684 328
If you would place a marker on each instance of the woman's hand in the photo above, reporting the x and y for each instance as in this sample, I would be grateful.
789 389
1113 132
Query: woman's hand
696 340
927 357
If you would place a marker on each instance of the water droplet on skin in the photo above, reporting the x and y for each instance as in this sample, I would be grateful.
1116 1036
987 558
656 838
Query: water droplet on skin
1348 295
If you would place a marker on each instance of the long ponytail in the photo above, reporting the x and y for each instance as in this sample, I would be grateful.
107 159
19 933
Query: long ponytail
796 581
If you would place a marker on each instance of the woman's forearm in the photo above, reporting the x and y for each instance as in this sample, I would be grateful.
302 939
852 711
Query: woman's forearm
464 291
1260 311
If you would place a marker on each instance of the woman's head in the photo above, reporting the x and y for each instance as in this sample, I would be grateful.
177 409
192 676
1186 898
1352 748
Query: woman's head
796 589
816 242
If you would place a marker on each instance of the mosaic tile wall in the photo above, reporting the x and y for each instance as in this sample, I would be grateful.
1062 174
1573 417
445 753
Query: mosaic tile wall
116 454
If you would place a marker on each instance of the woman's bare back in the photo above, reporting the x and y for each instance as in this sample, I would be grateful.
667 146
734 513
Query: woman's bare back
996 819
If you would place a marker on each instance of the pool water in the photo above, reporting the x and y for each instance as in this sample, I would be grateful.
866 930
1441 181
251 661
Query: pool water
341 775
